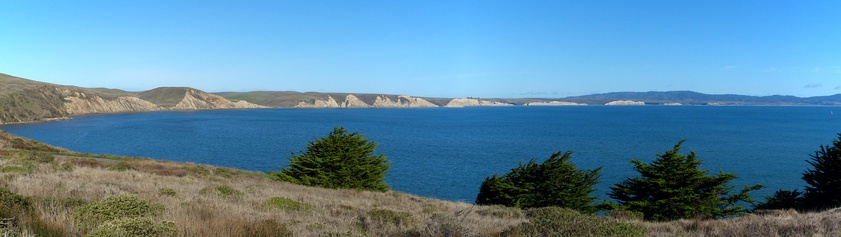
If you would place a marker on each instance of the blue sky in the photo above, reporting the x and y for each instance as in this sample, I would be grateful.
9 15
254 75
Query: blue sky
429 48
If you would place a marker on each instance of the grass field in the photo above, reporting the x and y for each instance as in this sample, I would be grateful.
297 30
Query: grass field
54 192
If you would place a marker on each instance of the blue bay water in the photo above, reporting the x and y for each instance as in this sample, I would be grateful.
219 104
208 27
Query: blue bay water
447 153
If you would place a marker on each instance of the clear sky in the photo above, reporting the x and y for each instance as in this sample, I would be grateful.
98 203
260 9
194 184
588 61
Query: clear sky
429 48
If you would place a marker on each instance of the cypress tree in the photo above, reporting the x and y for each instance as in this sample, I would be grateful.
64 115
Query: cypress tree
340 160
673 187
823 190
555 182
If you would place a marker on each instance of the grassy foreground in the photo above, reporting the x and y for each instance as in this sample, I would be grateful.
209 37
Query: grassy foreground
54 192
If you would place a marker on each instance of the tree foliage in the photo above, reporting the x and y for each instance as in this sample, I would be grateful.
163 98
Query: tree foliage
673 187
823 190
555 182
339 160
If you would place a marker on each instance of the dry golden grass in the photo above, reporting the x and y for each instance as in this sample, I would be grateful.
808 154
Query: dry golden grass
770 223
198 208
212 201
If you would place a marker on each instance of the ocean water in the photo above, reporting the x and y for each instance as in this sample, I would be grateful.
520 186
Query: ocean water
447 153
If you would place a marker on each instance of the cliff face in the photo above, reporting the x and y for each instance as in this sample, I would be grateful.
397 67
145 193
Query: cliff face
32 101
81 103
466 102
352 101
552 103
625 102
196 100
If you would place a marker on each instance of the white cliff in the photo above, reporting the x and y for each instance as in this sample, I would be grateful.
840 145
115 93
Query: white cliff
552 103
325 103
351 101
466 102
402 102
625 102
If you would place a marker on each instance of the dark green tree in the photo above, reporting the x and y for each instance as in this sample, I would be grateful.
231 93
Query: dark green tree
673 187
823 190
555 182
340 160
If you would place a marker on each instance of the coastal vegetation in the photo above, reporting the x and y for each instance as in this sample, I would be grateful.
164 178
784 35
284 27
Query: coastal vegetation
823 190
339 160
674 187
49 191
555 182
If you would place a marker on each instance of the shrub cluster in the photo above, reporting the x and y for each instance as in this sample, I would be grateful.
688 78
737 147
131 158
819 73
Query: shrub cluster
557 221
287 204
122 216
555 182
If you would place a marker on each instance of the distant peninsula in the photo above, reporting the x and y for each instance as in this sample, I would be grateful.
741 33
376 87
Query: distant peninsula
23 100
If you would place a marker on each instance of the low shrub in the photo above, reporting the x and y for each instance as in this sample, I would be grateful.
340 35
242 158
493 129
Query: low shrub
131 227
40 157
224 191
112 208
16 169
556 221
197 170
224 172
121 166
66 167
626 215
287 204
12 203
167 192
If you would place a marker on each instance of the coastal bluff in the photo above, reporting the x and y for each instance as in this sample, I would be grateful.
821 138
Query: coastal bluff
393 101
23 100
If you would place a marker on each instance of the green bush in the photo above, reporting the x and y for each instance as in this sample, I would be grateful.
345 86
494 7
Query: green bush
673 187
167 192
340 160
113 208
555 182
556 221
40 157
134 227
121 166
224 172
224 191
287 204
12 203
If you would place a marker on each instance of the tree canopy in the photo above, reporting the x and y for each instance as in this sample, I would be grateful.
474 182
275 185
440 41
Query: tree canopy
823 190
555 182
823 183
673 187
339 160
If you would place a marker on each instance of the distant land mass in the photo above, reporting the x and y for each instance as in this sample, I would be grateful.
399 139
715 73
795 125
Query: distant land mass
23 100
